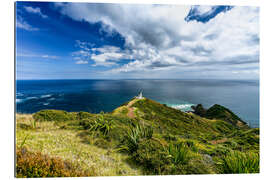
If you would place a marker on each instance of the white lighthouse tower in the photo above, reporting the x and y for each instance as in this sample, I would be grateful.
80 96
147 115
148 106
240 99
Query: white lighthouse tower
140 96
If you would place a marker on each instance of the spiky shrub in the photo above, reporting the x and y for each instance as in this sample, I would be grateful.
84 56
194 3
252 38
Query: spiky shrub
133 136
143 131
34 164
131 140
179 153
102 124
239 162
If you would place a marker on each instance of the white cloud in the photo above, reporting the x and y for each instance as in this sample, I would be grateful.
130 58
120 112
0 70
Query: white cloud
35 11
81 62
21 23
45 56
204 9
158 37
103 56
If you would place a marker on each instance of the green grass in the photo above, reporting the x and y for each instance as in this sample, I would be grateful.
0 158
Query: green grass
179 153
102 124
52 115
134 135
155 140
237 162
66 144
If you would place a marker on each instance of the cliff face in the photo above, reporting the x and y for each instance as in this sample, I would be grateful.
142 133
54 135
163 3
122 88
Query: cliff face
158 139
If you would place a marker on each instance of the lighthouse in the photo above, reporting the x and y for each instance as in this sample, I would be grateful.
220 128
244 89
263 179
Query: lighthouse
140 96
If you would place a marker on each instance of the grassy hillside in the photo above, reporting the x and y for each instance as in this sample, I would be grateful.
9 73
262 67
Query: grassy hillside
220 112
141 137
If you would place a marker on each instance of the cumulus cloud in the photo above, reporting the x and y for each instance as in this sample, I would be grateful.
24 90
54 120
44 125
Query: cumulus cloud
159 37
35 11
102 56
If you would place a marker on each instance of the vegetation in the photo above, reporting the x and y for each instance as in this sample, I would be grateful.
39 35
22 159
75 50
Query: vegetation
102 124
199 110
178 153
219 112
52 115
239 162
141 137
30 164
130 143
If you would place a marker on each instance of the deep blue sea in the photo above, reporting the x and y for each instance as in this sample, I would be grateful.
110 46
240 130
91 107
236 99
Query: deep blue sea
242 97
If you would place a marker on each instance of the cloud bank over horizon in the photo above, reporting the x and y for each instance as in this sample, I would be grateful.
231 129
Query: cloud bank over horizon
162 41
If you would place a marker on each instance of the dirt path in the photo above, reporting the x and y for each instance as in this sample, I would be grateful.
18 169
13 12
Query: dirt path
131 113
219 141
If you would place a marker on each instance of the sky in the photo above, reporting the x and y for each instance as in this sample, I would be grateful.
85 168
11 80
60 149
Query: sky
124 41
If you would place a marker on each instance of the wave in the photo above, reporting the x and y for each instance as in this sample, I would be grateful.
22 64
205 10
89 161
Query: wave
25 99
19 100
46 96
28 98
45 104
183 107
19 94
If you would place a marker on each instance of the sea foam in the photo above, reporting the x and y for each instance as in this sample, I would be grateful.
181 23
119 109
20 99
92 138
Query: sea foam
28 98
183 107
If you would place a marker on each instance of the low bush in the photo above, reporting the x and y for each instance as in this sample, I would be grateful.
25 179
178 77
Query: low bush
102 143
192 145
52 115
32 164
152 156
239 162
87 123
84 115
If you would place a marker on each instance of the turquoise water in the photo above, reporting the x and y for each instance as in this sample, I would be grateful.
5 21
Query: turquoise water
242 97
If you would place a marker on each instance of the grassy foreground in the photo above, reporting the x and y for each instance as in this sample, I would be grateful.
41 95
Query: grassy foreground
141 137
50 139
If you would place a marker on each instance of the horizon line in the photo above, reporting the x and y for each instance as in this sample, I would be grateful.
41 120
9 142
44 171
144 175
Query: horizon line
139 79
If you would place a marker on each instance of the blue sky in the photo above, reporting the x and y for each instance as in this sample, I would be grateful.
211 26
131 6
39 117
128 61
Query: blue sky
118 41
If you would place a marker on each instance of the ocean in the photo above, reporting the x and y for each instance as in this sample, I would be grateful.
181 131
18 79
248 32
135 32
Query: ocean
240 96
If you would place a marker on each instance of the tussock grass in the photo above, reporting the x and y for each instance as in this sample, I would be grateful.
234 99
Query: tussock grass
134 136
102 124
179 153
239 162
